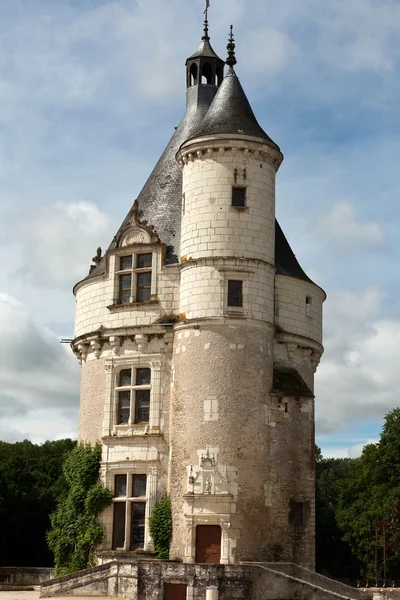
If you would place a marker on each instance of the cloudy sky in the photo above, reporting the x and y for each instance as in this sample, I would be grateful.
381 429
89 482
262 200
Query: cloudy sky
90 91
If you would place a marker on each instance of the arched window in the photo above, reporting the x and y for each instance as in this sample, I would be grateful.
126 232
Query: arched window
207 74
193 75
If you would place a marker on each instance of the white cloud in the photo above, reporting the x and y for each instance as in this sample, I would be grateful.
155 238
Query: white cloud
58 242
345 233
356 450
39 376
358 377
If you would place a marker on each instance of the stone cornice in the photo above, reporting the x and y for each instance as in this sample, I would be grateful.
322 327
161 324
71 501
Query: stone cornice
140 336
225 262
311 350
212 147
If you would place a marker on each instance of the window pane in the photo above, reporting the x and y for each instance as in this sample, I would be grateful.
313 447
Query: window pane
142 406
144 260
144 279
139 485
120 485
125 377
238 197
138 518
125 262
143 294
125 287
119 525
143 376
124 401
235 296
143 287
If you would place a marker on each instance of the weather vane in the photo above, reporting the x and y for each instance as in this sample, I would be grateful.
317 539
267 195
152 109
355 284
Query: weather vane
205 37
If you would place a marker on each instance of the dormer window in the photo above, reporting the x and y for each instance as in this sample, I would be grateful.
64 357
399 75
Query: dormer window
134 277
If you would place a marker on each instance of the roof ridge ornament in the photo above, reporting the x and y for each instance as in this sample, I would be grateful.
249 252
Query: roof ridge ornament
231 60
205 13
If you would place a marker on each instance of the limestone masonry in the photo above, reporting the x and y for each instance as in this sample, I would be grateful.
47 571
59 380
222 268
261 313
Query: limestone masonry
199 335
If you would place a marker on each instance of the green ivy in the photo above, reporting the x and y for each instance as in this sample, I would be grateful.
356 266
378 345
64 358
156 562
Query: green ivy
161 527
75 531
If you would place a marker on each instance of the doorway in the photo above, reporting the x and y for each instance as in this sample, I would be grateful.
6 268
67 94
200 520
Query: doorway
175 591
208 544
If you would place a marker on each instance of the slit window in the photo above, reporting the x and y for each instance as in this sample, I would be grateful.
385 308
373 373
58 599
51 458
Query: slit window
298 517
239 197
235 292
309 306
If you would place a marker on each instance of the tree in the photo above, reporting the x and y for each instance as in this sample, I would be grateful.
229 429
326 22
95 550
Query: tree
369 496
75 531
334 555
30 482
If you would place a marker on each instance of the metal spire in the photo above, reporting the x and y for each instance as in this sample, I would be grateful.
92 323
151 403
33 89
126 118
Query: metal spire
231 60
206 36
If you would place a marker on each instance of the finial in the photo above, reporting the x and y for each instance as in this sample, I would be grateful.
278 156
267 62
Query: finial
206 36
231 60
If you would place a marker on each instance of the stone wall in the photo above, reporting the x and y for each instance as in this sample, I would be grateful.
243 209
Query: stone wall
24 576
144 580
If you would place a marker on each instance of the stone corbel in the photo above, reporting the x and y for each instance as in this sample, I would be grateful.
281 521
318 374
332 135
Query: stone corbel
225 522
141 342
83 349
115 343
96 347
315 358
291 349
307 352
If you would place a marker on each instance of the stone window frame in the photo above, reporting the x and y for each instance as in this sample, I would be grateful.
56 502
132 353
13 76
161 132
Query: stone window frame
149 500
133 388
244 197
134 250
113 368
238 274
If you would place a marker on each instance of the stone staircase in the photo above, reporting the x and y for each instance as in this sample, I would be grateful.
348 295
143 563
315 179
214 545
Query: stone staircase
144 580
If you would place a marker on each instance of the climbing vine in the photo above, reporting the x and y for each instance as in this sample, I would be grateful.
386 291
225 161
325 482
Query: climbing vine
75 531
161 527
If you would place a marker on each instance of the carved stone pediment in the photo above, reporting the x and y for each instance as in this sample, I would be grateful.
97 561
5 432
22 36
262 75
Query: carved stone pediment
136 230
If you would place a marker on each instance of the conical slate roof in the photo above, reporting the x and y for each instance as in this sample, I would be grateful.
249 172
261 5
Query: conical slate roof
160 201
205 49
231 113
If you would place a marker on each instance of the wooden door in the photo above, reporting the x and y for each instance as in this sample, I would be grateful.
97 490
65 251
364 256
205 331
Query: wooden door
175 591
208 544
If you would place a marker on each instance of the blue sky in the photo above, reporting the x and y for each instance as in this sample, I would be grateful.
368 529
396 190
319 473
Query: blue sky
90 92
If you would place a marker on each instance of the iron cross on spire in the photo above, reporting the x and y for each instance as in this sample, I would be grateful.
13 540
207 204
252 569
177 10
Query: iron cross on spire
206 37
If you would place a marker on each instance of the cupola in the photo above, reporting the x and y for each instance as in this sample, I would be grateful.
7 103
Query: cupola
204 67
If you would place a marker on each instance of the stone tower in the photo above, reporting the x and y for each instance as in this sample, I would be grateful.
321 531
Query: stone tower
199 335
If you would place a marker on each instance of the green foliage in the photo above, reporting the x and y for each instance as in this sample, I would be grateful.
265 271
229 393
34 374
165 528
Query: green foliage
371 494
334 556
161 527
31 480
75 531
352 498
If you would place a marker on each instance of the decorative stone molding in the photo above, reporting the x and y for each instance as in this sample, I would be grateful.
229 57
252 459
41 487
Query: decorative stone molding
82 351
115 343
96 347
141 342
208 149
135 230
210 479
